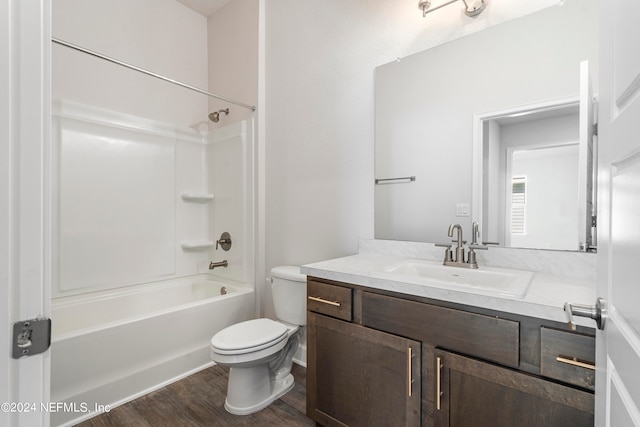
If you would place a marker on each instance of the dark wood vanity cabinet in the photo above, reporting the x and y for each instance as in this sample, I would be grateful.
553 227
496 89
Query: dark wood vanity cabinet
366 378
384 359
360 376
474 393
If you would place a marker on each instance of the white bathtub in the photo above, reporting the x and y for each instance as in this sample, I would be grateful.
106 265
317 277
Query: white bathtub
111 347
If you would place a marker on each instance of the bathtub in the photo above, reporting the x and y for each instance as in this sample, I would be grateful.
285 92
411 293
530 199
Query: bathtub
110 347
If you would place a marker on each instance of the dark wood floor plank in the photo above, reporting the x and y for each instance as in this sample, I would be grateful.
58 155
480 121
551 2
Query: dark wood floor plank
198 401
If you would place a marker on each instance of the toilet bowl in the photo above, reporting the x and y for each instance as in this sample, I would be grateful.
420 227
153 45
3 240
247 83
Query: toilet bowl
259 352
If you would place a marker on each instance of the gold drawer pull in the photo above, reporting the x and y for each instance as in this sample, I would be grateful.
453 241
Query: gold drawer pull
574 361
324 301
409 369
439 392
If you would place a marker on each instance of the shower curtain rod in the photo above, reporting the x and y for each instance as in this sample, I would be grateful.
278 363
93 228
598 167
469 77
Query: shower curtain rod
149 73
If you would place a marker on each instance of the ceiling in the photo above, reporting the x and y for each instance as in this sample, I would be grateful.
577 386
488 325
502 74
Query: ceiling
204 7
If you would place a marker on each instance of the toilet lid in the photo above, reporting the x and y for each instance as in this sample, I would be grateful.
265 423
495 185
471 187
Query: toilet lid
245 337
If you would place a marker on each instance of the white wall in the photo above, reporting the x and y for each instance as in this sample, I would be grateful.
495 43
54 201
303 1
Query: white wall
320 60
232 34
161 36
552 196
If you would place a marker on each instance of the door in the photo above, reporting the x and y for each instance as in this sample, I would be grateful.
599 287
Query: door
24 194
358 376
618 346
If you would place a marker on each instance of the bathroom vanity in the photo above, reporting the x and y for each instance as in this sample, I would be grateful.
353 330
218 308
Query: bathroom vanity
383 352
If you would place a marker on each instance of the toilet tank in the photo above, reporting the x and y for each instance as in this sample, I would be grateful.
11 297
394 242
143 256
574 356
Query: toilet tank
289 291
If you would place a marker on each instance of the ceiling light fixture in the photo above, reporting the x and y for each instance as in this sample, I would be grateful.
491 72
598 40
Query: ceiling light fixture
474 9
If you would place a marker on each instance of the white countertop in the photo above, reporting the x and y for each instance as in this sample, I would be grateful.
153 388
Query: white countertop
544 299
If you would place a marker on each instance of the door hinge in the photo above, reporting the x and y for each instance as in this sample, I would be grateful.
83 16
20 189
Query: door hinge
594 221
595 129
31 337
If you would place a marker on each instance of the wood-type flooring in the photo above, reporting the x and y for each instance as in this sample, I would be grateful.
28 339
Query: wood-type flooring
198 401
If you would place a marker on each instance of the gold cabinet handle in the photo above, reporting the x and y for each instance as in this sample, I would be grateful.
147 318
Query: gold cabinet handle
574 361
324 301
438 382
409 369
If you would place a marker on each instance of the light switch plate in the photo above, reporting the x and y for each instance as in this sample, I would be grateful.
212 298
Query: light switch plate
462 209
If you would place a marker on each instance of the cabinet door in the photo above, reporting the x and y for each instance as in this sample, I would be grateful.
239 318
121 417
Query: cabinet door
358 376
473 393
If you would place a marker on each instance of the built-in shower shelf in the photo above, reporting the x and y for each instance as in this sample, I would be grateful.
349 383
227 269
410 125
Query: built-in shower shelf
196 244
197 197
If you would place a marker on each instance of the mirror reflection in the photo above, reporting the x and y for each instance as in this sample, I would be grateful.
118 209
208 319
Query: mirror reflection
429 107
528 166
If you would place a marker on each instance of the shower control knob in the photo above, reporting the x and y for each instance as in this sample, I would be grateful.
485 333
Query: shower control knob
224 241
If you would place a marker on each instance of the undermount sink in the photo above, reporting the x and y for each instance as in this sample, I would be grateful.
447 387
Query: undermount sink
484 280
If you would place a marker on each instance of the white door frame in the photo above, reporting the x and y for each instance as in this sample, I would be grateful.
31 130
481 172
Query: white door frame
25 229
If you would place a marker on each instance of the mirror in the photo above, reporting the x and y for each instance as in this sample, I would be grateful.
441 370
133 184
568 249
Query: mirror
430 105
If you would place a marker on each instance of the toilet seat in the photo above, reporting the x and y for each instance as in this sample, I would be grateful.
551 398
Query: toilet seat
249 336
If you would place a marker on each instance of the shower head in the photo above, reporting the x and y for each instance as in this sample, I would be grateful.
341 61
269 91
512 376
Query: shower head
215 116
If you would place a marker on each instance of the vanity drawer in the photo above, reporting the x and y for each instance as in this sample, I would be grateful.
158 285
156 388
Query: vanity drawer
486 337
568 357
332 300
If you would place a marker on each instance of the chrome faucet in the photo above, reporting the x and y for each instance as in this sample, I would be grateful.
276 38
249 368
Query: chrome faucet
459 260
213 265
459 249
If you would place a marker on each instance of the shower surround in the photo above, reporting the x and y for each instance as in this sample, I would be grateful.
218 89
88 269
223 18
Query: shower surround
140 204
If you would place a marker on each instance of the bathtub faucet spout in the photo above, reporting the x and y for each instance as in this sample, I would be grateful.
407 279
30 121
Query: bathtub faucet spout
213 265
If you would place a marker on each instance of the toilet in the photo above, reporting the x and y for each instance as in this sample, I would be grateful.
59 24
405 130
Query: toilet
259 352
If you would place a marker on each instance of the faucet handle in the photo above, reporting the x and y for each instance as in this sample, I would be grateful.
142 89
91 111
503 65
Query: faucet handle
475 232
472 260
448 253
482 247
224 241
